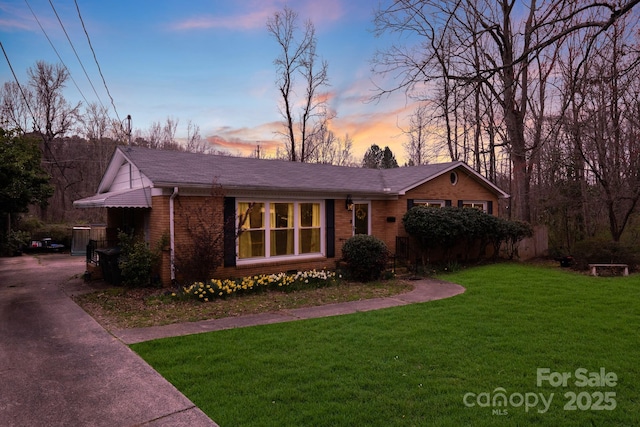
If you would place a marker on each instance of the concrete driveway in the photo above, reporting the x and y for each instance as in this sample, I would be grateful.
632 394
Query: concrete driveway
59 367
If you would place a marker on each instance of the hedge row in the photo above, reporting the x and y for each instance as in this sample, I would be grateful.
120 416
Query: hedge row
445 227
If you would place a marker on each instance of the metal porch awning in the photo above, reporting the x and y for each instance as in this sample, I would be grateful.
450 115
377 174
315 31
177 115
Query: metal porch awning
130 198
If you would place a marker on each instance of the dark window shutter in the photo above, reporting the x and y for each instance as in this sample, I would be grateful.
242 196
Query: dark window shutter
229 232
330 216
490 207
447 202
409 204
460 203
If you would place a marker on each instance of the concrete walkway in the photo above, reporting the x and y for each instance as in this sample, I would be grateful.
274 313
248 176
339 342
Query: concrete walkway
59 367
425 290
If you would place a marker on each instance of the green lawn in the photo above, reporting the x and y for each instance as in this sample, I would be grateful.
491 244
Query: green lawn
417 365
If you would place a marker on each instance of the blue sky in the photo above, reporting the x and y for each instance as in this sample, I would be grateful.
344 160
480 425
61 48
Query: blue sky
209 62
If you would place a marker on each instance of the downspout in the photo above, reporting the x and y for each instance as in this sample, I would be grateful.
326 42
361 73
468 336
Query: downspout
172 236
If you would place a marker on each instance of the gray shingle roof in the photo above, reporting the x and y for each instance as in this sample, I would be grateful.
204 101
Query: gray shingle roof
173 168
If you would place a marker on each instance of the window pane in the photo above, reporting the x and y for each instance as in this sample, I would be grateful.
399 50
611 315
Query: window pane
251 244
309 240
281 215
282 242
309 214
251 215
474 205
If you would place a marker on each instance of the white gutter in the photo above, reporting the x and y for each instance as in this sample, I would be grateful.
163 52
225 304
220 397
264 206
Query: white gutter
172 236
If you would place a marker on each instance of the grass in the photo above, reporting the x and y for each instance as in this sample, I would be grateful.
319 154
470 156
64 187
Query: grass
413 365
121 308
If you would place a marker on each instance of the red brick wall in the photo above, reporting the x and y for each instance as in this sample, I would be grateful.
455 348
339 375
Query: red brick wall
159 226
318 263
384 212
440 188
386 222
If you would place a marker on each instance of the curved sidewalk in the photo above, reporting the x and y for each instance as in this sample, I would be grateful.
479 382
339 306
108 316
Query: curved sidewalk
424 290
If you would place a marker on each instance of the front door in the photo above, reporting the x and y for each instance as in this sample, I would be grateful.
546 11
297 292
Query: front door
361 218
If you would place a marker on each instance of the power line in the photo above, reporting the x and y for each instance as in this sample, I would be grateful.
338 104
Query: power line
76 53
96 60
36 125
33 117
56 51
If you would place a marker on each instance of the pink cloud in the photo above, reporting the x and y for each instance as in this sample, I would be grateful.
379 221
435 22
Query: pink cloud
249 21
243 141
320 13
364 129
19 19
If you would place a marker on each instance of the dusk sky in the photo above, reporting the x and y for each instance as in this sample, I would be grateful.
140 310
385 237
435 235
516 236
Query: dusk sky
210 62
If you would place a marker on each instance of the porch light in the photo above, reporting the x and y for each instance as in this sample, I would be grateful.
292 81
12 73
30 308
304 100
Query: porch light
348 204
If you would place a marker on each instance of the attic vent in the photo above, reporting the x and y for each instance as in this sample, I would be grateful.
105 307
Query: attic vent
386 189
453 177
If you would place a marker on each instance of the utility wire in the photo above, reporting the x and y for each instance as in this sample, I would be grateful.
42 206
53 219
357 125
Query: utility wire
33 117
56 51
96 60
36 126
76 53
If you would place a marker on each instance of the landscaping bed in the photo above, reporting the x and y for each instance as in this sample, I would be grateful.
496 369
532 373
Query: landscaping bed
122 308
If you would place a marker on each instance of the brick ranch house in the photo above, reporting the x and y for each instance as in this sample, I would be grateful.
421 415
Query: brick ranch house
291 216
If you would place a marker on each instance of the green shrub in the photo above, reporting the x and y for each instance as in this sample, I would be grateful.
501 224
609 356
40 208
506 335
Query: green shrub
15 242
514 232
136 261
434 227
445 227
366 257
59 233
31 225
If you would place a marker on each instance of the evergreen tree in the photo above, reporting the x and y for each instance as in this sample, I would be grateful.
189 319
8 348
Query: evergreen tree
376 158
388 159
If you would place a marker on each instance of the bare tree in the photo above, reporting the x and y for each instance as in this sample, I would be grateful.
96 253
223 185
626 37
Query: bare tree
606 123
298 58
510 39
162 135
343 156
101 138
322 143
325 147
54 117
96 122
169 134
416 146
53 114
14 107
195 143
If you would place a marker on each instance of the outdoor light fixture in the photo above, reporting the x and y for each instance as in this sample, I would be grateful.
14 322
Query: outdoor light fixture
349 203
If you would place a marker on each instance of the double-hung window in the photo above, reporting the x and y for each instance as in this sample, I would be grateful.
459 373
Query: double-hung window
309 228
251 229
475 205
269 229
429 203
281 228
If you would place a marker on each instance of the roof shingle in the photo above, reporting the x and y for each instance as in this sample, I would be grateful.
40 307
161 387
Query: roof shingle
174 168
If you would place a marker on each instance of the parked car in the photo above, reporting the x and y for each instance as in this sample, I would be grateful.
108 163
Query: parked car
45 245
